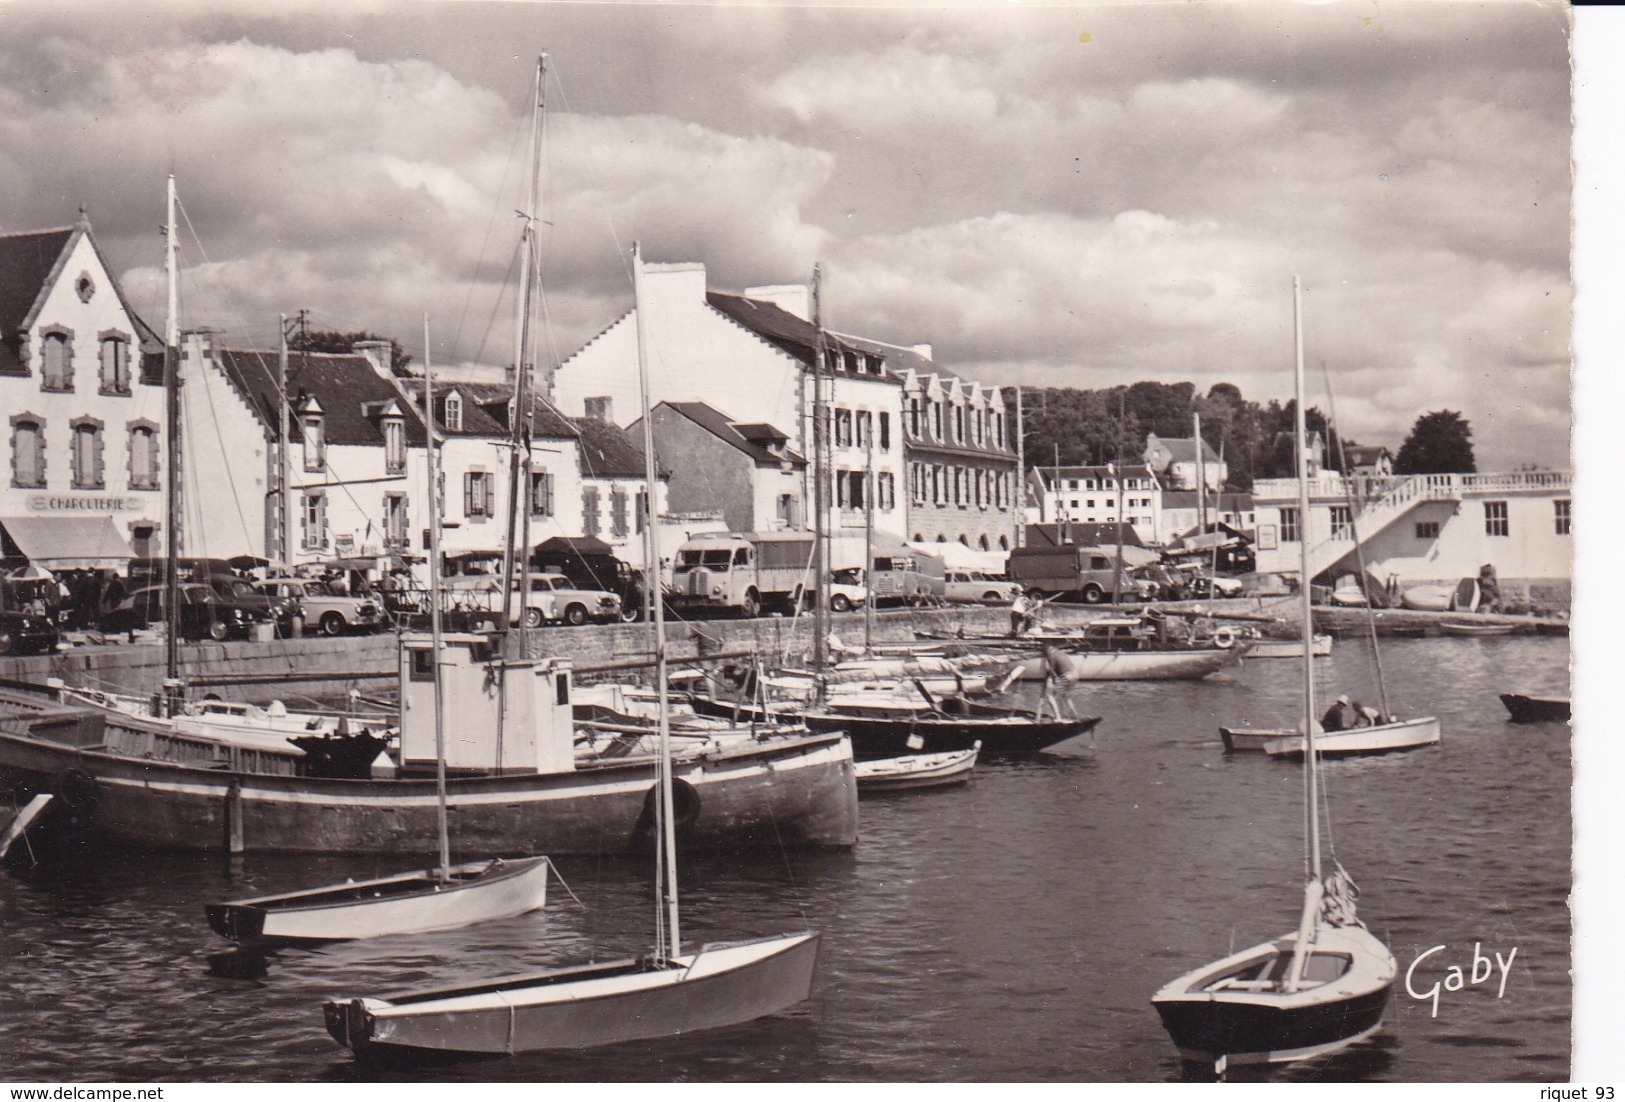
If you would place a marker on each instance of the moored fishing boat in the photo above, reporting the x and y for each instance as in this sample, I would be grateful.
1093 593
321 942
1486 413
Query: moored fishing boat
1289 648
916 771
1525 708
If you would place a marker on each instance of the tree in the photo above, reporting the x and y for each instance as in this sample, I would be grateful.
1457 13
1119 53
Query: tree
1440 442
326 340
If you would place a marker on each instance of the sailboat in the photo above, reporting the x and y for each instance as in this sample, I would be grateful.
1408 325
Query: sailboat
1312 991
666 993
442 898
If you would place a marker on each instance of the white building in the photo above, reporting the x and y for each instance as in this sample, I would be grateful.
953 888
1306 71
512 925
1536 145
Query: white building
1426 529
81 394
1180 466
1097 495
752 355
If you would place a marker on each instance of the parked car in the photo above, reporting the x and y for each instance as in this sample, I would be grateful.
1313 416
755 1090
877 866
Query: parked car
323 610
979 587
555 597
27 624
847 591
204 613
1168 582
1200 583
590 563
240 591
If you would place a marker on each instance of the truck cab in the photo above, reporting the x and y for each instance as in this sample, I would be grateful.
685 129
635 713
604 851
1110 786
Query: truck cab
742 572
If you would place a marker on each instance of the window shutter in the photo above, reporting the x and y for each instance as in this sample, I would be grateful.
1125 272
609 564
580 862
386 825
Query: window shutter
468 494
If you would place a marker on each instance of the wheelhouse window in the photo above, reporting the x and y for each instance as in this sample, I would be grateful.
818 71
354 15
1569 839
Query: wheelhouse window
88 473
115 360
27 452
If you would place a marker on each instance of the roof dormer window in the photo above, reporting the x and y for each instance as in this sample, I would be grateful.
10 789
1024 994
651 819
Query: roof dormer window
454 412
311 424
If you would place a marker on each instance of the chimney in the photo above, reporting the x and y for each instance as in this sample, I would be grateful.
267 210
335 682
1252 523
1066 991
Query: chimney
600 409
792 298
377 353
922 349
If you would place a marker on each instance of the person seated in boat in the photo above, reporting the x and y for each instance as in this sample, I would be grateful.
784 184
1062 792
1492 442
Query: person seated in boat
1343 715
1370 717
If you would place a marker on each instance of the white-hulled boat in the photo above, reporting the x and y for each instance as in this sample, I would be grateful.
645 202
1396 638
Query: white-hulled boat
1405 734
1289 648
914 771
1306 993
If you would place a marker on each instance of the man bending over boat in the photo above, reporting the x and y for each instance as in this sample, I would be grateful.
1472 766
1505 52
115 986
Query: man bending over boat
1346 714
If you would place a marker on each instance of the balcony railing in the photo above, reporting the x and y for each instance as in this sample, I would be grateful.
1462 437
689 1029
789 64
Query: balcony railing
1431 487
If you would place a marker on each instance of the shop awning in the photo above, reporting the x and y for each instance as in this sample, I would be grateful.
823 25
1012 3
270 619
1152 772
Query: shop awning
68 543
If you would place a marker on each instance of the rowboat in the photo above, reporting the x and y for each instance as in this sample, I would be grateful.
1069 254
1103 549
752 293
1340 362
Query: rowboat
915 771
1289 648
1379 738
1536 709
1458 627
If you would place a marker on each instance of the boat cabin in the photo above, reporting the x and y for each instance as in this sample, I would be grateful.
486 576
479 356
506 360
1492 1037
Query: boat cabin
502 715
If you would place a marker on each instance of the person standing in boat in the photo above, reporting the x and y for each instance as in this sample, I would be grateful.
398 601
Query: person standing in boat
1023 614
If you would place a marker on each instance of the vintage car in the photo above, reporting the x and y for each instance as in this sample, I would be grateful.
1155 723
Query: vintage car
847 591
27 620
323 610
979 587
204 613
554 597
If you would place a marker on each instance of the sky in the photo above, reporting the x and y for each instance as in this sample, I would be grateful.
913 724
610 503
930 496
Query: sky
1083 195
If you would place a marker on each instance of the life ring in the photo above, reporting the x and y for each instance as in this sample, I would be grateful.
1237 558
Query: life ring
1224 638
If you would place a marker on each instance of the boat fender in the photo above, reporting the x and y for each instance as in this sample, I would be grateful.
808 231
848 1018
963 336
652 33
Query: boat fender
1224 638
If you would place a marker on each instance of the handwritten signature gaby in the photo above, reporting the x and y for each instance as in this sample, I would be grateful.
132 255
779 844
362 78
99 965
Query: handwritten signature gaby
1455 978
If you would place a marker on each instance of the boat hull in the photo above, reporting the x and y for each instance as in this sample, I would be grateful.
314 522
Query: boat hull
1290 648
1274 1027
1536 709
1411 734
411 903
1475 631
585 1007
915 771
888 737
794 791
1172 665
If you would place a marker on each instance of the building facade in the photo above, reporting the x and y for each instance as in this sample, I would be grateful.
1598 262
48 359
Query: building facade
1179 465
1425 529
1099 495
83 408
746 470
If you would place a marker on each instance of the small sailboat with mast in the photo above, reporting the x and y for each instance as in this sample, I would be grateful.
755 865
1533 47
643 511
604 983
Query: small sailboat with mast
1309 992
442 898
665 993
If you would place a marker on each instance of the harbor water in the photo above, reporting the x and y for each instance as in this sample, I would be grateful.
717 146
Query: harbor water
1010 930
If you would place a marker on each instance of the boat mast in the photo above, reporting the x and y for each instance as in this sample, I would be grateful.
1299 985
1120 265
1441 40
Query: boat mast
668 938
1311 803
517 552
870 485
433 455
820 490
1117 564
1018 502
172 398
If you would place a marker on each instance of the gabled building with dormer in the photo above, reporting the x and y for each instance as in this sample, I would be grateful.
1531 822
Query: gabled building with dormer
1180 466
746 470
82 407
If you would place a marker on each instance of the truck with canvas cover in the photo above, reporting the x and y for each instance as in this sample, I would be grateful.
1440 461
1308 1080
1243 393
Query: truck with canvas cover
1075 573
743 572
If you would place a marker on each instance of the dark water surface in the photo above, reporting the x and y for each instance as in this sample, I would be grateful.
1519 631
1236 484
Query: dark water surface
1011 930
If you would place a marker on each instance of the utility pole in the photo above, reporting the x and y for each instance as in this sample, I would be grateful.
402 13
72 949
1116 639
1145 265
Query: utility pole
284 457
1021 475
820 491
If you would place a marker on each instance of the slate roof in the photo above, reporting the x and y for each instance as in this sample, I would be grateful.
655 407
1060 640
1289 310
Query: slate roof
1365 455
28 261
744 437
1051 475
1082 535
351 393
1186 499
794 336
606 451
1183 449
493 398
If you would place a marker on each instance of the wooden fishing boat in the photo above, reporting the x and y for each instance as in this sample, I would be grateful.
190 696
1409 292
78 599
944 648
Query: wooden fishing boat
915 771
22 820
667 993
1306 993
1470 630
1536 709
1170 665
1429 598
1380 738
420 901
1289 648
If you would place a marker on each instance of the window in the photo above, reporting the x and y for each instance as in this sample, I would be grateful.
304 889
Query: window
1289 525
1342 522
913 423
315 443
887 490
394 445
1427 529
843 427
864 422
115 364
57 371
477 494
1495 518
143 456
27 451
1561 508
640 511
315 520
87 454
452 413
541 493
617 513
885 431
959 424
936 420
395 524
589 510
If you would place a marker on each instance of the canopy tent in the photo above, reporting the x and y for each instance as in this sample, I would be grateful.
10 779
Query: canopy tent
67 543
956 556
574 545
